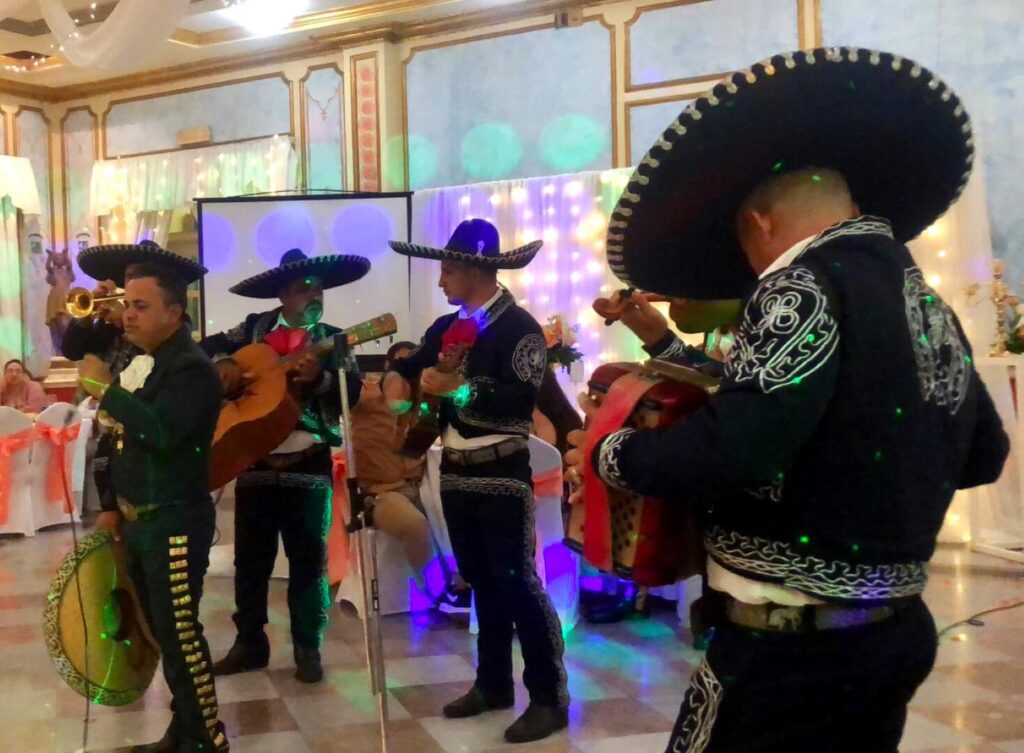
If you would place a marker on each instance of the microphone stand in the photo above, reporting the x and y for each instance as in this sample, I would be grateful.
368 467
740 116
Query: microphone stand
364 534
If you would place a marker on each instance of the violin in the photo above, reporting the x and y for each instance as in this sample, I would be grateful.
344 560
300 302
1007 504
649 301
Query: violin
611 309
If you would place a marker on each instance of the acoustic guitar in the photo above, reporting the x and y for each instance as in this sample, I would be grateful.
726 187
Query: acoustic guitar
255 423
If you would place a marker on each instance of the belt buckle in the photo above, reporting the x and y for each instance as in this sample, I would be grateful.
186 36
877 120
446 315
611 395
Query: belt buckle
786 619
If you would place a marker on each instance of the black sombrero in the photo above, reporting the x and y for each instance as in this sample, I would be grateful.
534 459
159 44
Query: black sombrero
333 270
895 130
474 242
110 262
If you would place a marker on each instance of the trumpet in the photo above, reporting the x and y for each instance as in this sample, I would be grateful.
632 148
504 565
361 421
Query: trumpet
81 304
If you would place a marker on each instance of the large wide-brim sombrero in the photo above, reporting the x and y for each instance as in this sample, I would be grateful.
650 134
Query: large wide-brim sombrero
898 133
94 628
332 270
110 262
474 242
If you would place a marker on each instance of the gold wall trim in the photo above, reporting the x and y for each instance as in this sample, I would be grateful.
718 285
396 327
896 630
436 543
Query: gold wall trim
49 162
317 46
304 142
354 95
312 21
819 35
613 48
173 92
64 161
630 87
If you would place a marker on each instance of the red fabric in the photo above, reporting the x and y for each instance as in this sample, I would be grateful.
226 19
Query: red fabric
56 473
337 536
286 341
461 332
615 410
548 484
9 445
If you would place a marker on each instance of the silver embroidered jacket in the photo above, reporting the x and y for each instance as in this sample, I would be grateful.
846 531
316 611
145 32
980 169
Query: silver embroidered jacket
850 413
503 371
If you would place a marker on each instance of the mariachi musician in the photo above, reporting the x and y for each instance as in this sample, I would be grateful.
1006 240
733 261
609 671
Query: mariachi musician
850 411
288 493
163 407
102 332
486 482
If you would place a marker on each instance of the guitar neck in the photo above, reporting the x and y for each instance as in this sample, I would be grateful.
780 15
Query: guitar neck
374 329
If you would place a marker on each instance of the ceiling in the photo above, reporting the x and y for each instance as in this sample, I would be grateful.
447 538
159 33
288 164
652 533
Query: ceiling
208 33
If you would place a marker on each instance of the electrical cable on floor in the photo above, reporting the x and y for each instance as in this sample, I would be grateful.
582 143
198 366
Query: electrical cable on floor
975 621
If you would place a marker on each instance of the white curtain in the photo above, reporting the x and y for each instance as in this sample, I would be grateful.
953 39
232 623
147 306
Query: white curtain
135 197
132 34
135 228
11 330
570 213
18 191
955 254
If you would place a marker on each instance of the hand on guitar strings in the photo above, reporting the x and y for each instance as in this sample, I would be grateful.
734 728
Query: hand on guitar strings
232 378
634 309
579 439
435 382
307 370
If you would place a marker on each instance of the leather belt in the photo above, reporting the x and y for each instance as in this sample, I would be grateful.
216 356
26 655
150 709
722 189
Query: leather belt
803 619
133 513
488 454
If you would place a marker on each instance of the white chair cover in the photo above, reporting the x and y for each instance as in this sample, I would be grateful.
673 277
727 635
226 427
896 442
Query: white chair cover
50 512
14 422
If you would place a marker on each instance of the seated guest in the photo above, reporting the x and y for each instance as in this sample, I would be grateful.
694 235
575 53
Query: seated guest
17 390
378 436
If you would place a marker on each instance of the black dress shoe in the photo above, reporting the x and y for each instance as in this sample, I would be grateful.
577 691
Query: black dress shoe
537 722
477 702
243 658
307 665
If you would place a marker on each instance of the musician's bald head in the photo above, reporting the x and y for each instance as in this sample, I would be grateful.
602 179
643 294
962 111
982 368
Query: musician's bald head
785 209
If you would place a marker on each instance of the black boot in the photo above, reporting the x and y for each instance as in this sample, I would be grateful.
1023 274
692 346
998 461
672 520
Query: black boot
537 722
169 743
307 665
244 657
477 702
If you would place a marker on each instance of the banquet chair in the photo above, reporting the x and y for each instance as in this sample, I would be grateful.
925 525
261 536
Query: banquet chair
61 437
17 438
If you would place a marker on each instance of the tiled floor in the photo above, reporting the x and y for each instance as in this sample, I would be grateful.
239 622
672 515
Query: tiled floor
626 680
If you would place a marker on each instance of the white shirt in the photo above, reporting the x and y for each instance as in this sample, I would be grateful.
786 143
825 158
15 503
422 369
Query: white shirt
745 589
451 438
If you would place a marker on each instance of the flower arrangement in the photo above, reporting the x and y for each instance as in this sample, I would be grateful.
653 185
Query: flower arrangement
1009 337
561 342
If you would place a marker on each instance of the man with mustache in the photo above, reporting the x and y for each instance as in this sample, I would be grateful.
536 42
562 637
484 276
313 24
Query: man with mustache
289 491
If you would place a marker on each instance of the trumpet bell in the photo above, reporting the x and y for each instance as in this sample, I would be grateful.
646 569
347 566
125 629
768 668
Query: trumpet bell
81 303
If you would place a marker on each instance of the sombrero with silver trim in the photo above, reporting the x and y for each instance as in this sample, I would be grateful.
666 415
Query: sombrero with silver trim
898 133
333 270
474 242
110 262
94 628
